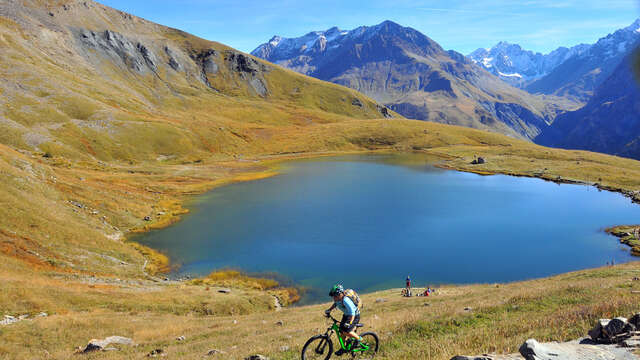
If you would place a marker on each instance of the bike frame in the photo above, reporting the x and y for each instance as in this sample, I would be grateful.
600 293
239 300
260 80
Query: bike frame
335 328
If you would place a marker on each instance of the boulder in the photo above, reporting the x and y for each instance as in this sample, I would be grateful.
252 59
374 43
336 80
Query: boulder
284 348
8 319
614 327
533 350
214 352
380 300
596 332
180 338
478 160
97 344
635 320
156 353
256 357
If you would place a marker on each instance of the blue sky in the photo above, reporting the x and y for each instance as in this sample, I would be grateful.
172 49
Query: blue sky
538 25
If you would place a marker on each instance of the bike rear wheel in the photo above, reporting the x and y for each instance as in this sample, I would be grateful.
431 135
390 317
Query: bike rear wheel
318 347
369 339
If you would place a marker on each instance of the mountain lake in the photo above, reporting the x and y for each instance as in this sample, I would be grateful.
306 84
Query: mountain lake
368 221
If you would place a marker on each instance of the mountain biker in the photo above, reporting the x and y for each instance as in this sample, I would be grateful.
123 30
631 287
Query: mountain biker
350 318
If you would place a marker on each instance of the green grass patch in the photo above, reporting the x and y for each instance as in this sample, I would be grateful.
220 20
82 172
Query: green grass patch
77 107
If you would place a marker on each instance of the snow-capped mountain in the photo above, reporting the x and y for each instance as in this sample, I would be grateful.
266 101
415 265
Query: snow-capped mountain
517 66
609 122
580 74
279 49
413 75
312 52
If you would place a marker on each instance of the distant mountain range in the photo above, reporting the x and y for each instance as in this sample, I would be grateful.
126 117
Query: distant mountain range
573 72
610 122
413 75
519 67
581 74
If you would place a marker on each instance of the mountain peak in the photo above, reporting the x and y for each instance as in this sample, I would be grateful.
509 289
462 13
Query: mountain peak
390 23
275 40
635 26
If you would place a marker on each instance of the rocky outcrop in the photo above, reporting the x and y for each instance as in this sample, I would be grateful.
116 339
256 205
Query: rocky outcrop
139 57
97 344
117 47
575 350
583 349
173 61
384 111
609 339
8 319
207 64
249 69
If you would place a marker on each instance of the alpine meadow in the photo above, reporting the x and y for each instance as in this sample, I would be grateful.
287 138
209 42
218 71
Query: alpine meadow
113 126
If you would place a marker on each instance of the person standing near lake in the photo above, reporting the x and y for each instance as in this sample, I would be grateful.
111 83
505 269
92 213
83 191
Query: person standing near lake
408 285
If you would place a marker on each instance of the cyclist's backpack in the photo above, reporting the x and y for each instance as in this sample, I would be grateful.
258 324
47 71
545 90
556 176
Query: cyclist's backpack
351 294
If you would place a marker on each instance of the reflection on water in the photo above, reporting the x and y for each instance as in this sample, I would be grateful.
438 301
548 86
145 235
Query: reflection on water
369 221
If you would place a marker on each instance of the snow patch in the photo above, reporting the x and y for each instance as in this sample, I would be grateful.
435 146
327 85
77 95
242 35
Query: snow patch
487 62
510 75
622 46
275 40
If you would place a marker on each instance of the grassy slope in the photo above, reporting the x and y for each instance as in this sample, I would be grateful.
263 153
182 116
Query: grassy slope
503 316
122 146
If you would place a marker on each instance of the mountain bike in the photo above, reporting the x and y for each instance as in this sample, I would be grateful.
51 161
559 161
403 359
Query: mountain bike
321 346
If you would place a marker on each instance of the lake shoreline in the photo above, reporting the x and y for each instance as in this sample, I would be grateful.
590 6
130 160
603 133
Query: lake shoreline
272 166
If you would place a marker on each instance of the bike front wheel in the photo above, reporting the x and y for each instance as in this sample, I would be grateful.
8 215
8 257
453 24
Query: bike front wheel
370 345
318 347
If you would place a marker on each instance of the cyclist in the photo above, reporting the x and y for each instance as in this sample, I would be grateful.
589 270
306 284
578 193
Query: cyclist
350 318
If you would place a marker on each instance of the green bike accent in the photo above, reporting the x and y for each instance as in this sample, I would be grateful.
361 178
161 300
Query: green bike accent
321 345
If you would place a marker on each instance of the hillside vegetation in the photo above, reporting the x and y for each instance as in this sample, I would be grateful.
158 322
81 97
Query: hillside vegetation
109 122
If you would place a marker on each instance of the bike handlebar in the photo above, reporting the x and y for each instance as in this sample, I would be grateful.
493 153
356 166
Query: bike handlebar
329 316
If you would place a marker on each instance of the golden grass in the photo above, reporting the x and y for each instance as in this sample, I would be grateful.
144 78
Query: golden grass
502 317
237 278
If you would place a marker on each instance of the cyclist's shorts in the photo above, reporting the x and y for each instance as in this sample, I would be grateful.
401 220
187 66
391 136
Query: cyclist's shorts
344 324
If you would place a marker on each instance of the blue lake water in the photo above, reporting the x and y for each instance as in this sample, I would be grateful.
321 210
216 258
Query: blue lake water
369 221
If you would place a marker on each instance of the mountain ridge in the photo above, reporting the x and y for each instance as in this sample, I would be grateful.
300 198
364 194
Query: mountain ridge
413 75
610 121
581 74
518 66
